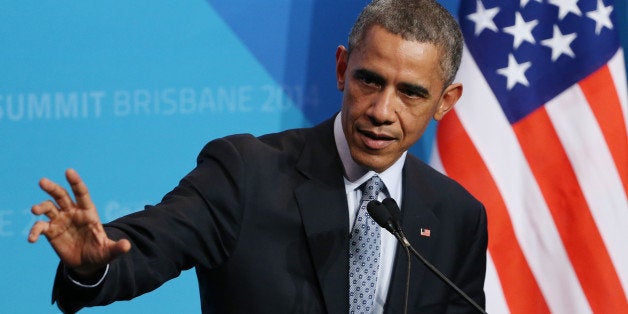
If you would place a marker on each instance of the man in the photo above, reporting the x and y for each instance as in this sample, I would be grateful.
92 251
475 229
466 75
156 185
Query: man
274 224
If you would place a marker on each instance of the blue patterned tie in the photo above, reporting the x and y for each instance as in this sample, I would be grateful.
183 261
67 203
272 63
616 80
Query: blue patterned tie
364 250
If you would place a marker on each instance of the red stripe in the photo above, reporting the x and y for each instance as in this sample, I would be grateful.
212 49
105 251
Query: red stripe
463 163
577 229
599 90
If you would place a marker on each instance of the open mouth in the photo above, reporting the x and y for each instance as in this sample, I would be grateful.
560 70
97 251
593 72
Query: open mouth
374 140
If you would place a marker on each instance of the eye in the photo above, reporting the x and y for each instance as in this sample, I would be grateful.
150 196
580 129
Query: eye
413 91
369 81
369 78
410 93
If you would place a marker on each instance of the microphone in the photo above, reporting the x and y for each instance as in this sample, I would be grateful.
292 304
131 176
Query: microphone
393 209
382 216
387 218
392 219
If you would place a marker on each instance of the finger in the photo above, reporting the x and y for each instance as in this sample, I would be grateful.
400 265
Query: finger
38 228
119 247
57 192
47 208
81 193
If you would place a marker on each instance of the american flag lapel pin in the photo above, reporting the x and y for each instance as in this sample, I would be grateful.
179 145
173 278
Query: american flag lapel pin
425 232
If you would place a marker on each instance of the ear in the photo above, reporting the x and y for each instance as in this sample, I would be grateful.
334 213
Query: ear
447 101
342 57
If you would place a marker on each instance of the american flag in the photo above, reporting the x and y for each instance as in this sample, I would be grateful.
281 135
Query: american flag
539 137
425 232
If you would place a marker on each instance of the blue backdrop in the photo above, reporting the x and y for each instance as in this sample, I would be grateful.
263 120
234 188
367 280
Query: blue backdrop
127 93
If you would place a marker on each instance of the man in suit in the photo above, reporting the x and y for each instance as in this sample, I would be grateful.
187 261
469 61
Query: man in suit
271 223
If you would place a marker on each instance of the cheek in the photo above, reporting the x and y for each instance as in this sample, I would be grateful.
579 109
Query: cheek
347 108
353 104
413 127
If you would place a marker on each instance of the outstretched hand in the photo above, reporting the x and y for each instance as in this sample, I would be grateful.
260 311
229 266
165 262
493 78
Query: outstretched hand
74 229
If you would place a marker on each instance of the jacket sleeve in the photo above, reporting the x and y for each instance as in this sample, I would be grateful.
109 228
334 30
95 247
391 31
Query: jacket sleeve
196 224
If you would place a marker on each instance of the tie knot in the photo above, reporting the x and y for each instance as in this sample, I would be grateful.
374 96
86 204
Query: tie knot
371 188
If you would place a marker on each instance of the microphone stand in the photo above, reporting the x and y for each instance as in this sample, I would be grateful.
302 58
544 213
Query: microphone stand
407 292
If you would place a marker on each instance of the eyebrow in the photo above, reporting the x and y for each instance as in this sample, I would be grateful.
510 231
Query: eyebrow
376 78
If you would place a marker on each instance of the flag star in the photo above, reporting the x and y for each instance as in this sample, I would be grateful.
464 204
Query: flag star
483 18
515 72
560 44
601 16
565 7
523 3
521 31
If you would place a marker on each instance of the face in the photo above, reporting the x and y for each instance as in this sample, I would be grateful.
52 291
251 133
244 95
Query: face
391 89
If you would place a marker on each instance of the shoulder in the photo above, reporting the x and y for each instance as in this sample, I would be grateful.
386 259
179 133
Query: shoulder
442 188
286 144
247 146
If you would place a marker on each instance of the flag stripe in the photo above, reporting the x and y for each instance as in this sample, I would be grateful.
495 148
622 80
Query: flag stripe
595 170
519 286
570 212
485 123
493 289
600 93
618 71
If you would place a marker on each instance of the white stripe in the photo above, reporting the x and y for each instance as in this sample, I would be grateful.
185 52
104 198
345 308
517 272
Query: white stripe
493 289
583 142
435 160
618 72
496 142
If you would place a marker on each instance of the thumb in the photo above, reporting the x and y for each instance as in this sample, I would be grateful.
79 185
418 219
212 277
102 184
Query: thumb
120 247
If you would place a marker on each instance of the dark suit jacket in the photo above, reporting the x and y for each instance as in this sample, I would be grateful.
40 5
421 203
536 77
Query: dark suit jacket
264 221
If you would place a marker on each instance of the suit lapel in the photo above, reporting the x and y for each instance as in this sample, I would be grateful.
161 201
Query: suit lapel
323 206
417 213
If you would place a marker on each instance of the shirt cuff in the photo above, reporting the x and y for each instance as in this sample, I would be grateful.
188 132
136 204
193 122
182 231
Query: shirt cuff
85 285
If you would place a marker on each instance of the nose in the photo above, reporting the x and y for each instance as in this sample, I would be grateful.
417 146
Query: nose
382 110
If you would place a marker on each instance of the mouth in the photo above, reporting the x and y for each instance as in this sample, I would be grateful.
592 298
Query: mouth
375 140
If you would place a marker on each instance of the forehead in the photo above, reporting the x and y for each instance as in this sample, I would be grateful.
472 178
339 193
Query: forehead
383 51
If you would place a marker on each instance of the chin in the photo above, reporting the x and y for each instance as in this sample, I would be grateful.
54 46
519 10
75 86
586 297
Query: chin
372 163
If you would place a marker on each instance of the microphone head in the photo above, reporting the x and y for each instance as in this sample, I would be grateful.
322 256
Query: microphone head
393 211
380 214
